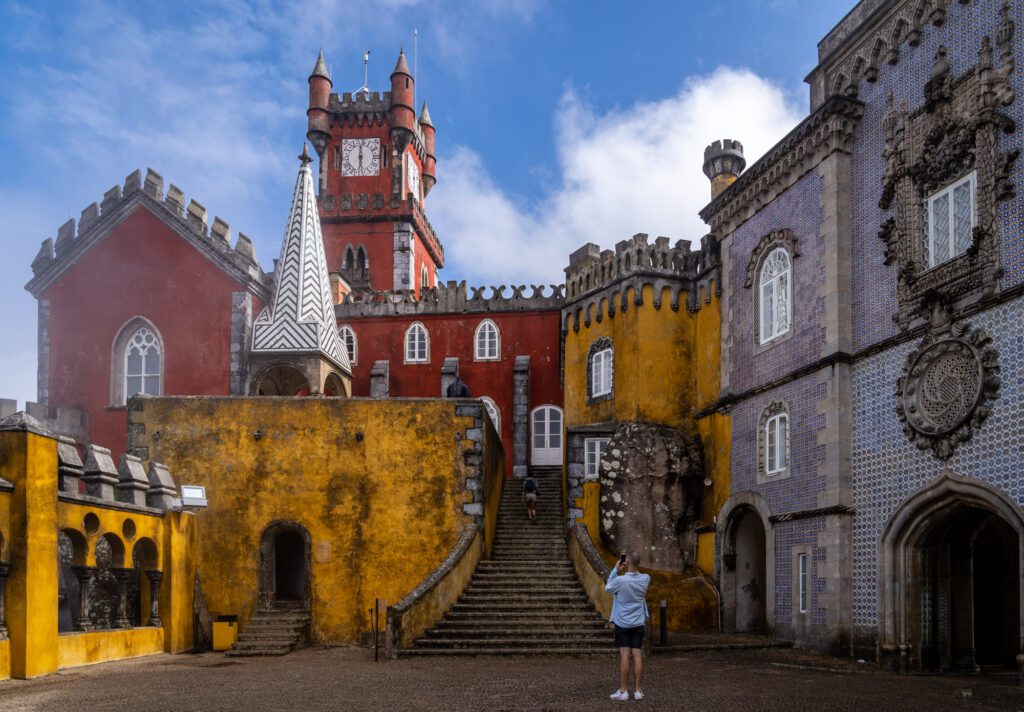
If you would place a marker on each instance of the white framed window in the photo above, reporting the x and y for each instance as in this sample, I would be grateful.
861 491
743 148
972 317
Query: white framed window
492 410
949 217
776 444
417 344
601 373
593 449
348 338
775 295
802 577
486 341
423 277
142 359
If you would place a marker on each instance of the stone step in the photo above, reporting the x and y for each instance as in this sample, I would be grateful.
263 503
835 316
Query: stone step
533 652
535 617
528 631
514 642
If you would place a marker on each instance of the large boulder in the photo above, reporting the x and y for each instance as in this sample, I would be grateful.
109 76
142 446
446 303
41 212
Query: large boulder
652 479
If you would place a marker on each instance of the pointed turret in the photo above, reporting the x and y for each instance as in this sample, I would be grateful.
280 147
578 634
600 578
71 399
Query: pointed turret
296 333
403 114
317 118
430 162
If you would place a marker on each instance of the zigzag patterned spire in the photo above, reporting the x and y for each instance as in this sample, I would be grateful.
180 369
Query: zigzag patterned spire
300 317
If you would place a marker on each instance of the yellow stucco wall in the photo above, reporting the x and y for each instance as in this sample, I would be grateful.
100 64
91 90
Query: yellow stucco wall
378 484
77 649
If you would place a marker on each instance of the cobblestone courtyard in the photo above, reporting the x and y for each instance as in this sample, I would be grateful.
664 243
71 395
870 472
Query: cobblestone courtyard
348 679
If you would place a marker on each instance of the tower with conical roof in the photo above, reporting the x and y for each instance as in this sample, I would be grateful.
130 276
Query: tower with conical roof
296 349
377 166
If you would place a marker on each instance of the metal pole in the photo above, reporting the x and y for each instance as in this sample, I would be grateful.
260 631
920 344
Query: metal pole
663 624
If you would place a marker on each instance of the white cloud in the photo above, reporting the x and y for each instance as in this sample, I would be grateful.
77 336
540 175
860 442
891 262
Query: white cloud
633 169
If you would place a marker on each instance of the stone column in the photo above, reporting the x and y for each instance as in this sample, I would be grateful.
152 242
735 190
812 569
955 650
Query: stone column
155 577
520 415
379 380
84 575
5 569
123 576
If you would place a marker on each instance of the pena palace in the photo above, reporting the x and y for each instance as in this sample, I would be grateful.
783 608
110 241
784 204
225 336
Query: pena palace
809 420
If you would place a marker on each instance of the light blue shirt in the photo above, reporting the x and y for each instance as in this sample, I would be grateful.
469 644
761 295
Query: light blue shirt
630 607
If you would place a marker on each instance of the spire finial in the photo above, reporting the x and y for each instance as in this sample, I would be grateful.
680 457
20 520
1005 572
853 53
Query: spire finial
304 156
320 69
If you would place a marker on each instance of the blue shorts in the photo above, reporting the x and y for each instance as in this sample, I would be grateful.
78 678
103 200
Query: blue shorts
629 637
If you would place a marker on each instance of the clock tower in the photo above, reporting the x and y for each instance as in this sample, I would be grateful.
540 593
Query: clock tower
377 166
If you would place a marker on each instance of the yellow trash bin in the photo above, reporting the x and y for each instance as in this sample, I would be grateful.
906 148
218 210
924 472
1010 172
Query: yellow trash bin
225 632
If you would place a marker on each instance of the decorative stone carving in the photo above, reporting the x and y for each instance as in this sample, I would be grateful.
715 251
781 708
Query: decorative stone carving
652 480
952 134
776 238
948 385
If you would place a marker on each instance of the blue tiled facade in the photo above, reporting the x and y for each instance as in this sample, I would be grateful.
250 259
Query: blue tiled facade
851 465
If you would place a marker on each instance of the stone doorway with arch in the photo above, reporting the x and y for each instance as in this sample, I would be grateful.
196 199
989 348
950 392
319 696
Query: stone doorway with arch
744 565
950 580
285 574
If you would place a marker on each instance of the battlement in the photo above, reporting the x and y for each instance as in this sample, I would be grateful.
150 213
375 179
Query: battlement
190 220
592 269
86 472
352 207
725 156
451 298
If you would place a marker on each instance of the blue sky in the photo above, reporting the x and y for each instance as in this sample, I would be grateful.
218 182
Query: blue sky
558 122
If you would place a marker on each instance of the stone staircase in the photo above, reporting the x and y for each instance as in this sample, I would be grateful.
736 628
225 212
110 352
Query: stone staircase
525 600
273 632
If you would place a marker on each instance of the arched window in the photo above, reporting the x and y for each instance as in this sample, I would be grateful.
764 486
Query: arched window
417 344
486 341
348 338
350 259
361 261
774 440
136 362
492 410
775 295
600 370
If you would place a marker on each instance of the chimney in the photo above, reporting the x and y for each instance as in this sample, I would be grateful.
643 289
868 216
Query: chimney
723 163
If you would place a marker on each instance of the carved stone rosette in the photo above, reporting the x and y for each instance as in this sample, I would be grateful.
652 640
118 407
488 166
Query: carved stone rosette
953 133
947 388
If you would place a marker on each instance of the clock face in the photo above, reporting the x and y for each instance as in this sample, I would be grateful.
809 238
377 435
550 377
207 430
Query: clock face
413 173
360 156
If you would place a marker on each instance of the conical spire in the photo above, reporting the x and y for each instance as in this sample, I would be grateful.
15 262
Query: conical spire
402 67
320 69
300 317
425 115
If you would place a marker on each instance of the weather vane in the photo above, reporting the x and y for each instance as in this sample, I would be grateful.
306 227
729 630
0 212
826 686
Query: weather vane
365 89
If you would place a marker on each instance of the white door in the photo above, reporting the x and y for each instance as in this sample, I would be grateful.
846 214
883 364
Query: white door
546 435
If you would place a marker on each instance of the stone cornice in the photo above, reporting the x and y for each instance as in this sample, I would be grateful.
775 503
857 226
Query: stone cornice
99 219
827 130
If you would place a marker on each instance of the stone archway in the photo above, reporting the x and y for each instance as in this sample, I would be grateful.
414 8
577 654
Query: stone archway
285 575
745 562
281 379
950 579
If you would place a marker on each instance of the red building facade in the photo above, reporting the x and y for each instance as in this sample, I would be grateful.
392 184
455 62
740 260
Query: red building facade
148 297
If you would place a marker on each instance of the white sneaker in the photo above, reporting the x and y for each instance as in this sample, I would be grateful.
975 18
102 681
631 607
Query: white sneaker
619 695
638 695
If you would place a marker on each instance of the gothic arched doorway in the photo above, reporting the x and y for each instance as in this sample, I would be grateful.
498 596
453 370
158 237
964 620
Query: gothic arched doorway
744 573
950 580
285 566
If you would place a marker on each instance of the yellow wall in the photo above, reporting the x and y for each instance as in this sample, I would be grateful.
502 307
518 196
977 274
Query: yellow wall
101 646
378 484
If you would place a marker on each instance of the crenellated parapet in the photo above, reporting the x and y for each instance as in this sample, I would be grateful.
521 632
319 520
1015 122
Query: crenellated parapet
600 280
190 220
452 298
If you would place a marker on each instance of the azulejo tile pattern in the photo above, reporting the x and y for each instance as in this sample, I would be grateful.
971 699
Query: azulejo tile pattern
887 468
799 210
874 283
787 536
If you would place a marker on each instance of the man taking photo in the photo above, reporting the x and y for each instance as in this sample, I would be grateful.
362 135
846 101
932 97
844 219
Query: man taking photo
629 614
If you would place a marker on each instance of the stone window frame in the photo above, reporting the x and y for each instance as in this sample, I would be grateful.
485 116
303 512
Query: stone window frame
589 476
426 344
351 349
784 239
494 412
803 583
599 346
118 367
949 189
769 413
476 341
